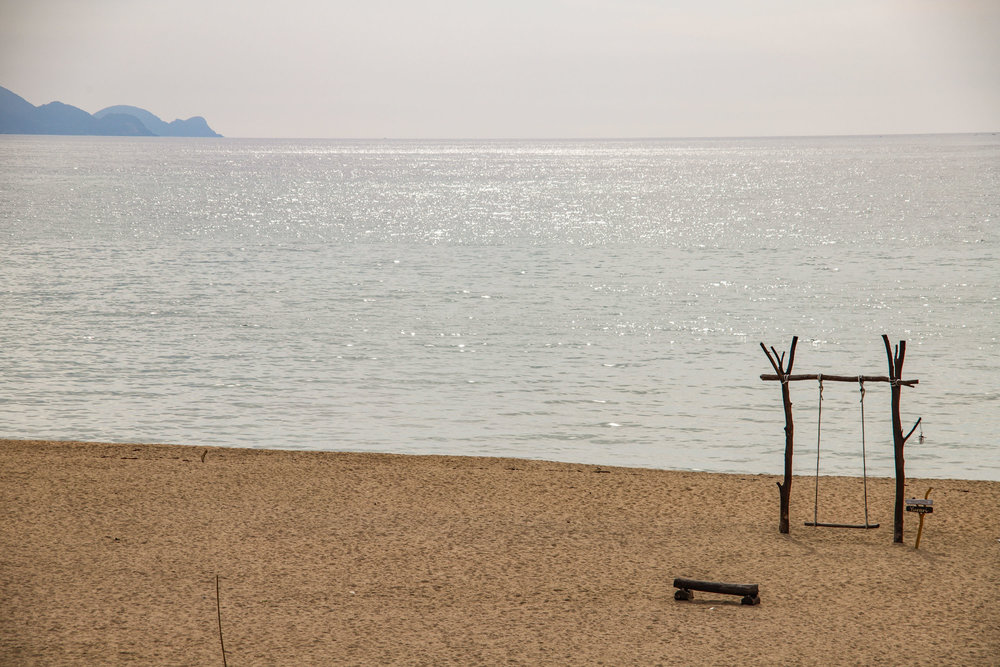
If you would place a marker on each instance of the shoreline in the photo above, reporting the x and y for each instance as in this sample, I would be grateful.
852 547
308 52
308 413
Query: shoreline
804 472
110 554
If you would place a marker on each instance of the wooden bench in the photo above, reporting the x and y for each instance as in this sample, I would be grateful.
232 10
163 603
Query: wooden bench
750 592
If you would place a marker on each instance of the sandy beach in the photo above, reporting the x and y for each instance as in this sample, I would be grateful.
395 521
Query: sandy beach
110 555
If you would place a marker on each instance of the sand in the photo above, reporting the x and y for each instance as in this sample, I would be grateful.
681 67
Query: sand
110 555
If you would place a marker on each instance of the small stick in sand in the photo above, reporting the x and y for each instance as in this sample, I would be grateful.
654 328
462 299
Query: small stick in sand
218 611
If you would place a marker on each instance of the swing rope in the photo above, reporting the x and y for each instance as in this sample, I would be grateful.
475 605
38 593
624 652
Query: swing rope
864 455
864 458
819 424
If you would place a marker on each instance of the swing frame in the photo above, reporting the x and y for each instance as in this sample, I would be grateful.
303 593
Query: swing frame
783 374
864 464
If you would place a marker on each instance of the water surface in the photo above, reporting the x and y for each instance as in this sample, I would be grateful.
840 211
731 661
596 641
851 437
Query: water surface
590 301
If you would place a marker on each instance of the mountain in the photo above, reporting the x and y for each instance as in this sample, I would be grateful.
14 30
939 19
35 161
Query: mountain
192 127
15 113
18 116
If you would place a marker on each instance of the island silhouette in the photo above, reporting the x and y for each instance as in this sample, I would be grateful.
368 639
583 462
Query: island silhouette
18 116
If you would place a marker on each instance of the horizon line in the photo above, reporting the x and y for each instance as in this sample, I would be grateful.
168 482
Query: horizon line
723 137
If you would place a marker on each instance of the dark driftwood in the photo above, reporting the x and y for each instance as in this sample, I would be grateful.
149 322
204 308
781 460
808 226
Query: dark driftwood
785 488
685 586
835 378
716 587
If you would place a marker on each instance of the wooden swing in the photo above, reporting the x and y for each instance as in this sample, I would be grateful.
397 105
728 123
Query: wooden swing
783 374
864 463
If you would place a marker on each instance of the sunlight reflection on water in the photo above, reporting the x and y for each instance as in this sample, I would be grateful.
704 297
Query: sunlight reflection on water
599 302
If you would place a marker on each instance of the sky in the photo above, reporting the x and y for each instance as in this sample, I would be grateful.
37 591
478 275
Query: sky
517 68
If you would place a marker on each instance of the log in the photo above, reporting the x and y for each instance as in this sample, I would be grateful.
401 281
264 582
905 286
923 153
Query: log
716 587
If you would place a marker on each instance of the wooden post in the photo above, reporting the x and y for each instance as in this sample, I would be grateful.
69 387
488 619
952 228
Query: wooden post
785 489
925 509
898 439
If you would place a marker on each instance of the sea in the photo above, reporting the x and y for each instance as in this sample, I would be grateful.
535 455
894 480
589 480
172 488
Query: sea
597 302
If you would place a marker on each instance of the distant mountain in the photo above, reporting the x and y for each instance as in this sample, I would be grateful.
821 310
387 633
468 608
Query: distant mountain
15 112
18 116
192 127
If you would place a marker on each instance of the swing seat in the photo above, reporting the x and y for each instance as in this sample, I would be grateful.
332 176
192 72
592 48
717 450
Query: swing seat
842 525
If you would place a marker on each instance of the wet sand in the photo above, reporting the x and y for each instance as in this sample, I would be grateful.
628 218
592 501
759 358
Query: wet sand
110 555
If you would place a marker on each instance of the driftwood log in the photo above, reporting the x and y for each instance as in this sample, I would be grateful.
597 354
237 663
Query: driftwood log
750 592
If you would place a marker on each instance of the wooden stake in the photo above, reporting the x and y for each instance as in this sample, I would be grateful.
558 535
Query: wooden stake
920 528
218 611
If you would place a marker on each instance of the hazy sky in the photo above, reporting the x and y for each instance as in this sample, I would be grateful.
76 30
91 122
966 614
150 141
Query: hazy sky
517 68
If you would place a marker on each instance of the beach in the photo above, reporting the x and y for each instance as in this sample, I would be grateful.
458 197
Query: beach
111 554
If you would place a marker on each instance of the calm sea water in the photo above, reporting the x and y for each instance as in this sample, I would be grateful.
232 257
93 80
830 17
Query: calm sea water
598 302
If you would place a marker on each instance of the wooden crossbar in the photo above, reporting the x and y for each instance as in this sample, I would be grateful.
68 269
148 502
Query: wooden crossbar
834 378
